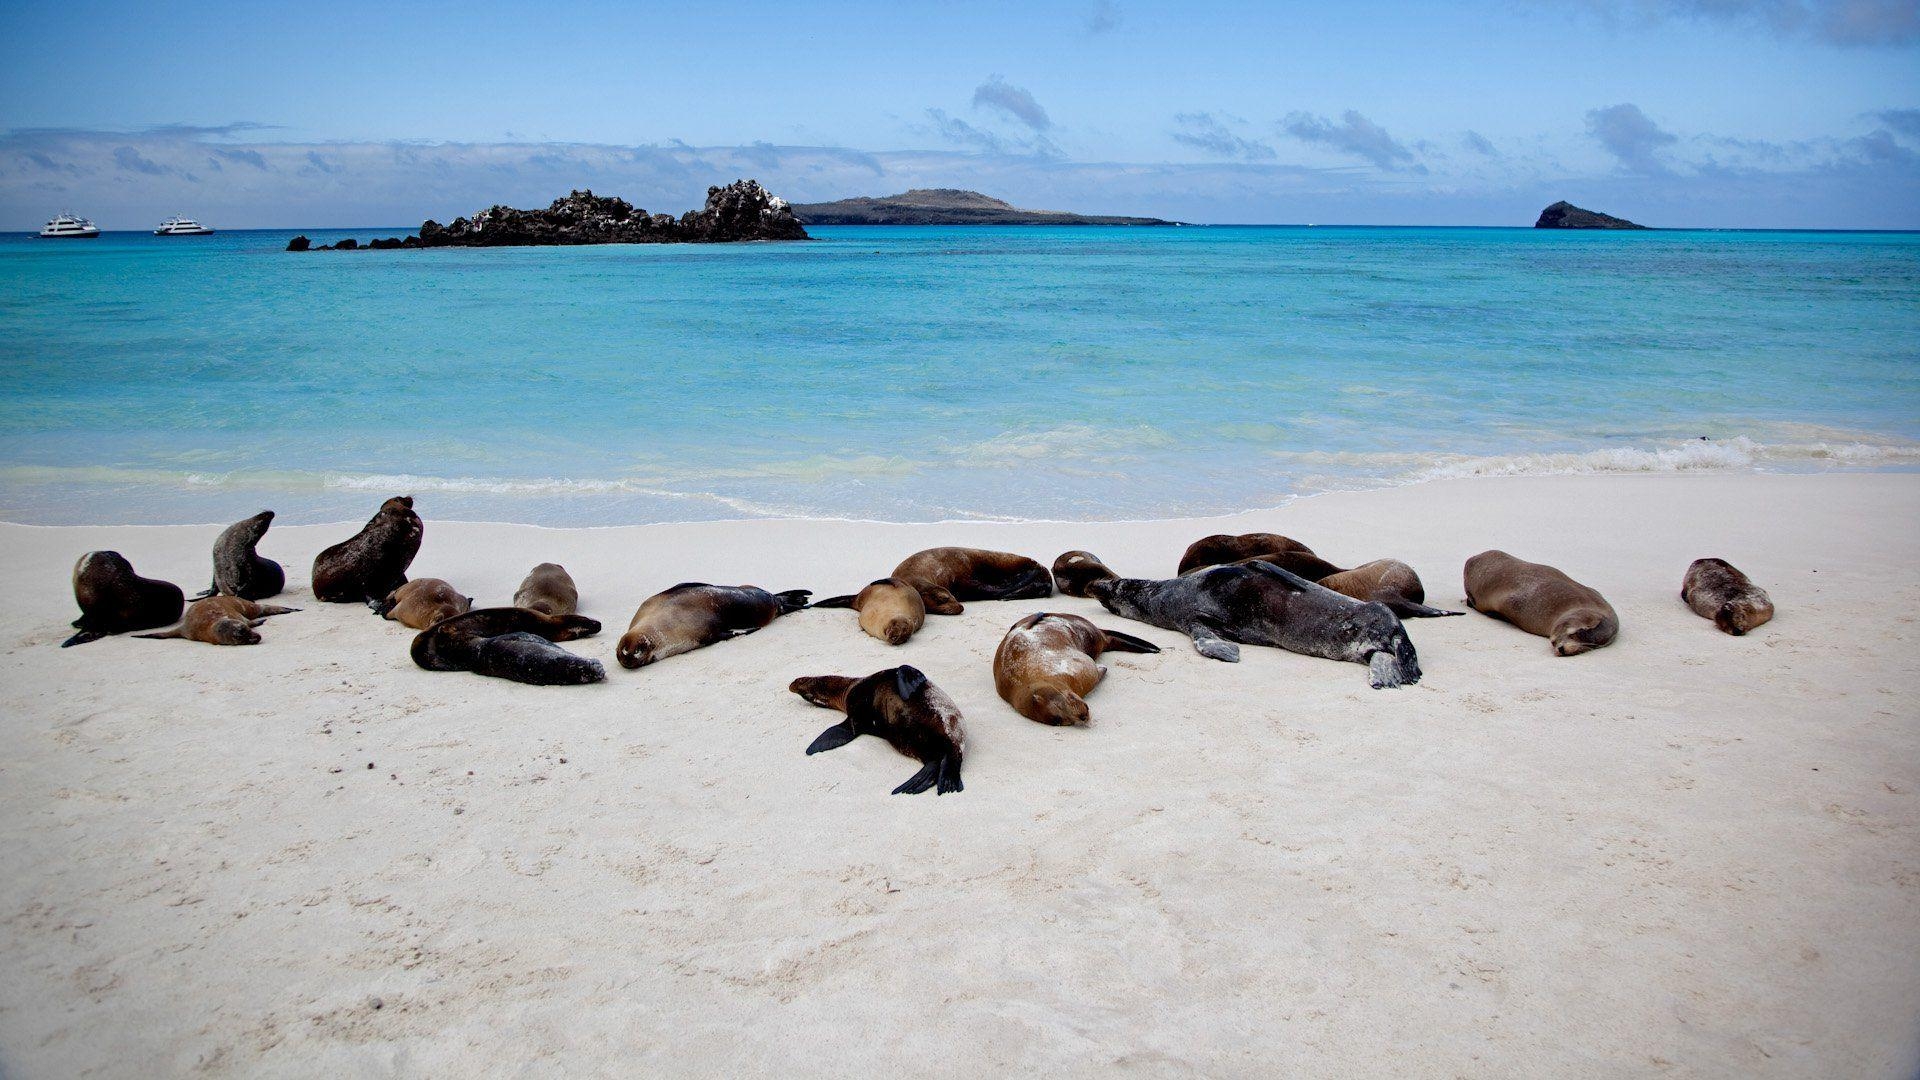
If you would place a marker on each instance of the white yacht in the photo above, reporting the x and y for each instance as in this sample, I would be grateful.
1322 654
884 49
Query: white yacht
69 227
182 226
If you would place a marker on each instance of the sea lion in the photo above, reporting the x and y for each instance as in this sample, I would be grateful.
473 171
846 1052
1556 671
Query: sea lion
1715 590
422 602
238 570
694 614
1045 666
890 609
548 588
374 562
1223 548
510 643
1075 570
947 575
113 599
1540 600
900 706
221 619
1389 581
1258 603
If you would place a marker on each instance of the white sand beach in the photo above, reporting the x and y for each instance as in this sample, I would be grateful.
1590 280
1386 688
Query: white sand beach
1685 855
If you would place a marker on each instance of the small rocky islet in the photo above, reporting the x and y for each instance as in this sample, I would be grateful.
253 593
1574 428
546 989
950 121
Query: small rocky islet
1565 215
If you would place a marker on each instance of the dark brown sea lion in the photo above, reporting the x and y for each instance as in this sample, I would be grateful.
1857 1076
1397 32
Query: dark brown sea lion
1075 570
374 562
510 643
1540 600
1387 581
890 609
422 602
238 570
694 614
548 588
113 599
947 575
223 620
1715 590
902 707
1045 666
1223 548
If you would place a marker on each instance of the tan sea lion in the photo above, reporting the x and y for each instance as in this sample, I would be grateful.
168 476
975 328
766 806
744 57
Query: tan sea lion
238 569
548 588
113 599
1045 666
223 620
510 643
1540 600
890 609
1715 590
694 614
374 561
1075 570
422 602
947 575
902 707
1223 548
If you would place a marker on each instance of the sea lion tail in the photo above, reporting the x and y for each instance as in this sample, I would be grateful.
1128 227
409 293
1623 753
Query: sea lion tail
82 638
943 774
835 601
792 600
1119 642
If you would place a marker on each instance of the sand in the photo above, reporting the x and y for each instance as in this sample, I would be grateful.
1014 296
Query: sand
1684 855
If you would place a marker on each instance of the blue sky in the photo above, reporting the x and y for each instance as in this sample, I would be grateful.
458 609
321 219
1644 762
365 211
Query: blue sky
1786 113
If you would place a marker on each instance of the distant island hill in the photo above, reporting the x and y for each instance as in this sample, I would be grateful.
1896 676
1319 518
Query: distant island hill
946 206
1565 215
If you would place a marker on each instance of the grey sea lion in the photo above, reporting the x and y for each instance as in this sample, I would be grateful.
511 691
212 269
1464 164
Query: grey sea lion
890 609
1389 581
238 569
374 561
222 619
550 589
1257 603
1045 665
1540 600
510 643
946 576
113 599
422 602
1715 590
694 614
901 706
1073 571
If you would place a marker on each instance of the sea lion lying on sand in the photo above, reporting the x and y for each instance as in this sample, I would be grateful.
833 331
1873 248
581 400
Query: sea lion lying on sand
223 620
113 599
1223 548
238 569
890 609
510 643
548 588
374 561
422 602
1075 570
1388 581
694 614
1045 666
947 575
1540 600
1715 590
902 707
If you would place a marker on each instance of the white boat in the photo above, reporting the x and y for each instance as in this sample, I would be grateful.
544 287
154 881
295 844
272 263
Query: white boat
182 226
69 227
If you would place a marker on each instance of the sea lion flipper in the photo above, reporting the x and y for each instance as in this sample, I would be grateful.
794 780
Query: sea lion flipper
1208 642
1287 577
908 681
933 772
792 600
1407 609
82 638
211 590
1119 642
834 737
164 636
835 601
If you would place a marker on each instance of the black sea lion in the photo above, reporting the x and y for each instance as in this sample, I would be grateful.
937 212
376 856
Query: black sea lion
900 706
1389 581
1045 666
1258 603
548 588
113 599
890 609
947 575
223 620
1075 570
1222 548
1715 590
422 602
510 643
374 562
694 614
238 570
1540 600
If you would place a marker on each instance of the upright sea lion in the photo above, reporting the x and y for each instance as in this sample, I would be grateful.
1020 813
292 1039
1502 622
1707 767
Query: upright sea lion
422 602
947 575
1540 600
890 609
374 562
238 570
1222 548
1715 590
548 588
113 599
1045 666
1258 603
900 706
510 643
221 619
1075 570
693 614
1389 581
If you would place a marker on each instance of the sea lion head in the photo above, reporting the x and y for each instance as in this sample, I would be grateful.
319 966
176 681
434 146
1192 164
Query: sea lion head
826 691
234 632
399 504
1075 572
1741 614
1058 706
1573 634
635 650
1118 595
1375 637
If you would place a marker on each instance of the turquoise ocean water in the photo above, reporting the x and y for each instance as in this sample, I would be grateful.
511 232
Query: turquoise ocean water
931 373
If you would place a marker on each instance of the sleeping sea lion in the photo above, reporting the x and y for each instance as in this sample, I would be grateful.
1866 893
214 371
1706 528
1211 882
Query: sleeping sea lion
1540 600
1223 548
1257 603
374 562
238 570
510 643
1389 581
900 706
1045 666
422 602
890 609
221 619
1715 590
113 599
1075 570
947 575
694 614
548 588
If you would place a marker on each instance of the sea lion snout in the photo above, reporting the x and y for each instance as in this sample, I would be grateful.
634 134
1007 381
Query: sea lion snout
635 651
1058 707
898 631
235 632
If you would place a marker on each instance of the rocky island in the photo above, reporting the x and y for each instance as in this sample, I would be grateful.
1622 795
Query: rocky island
1565 215
946 206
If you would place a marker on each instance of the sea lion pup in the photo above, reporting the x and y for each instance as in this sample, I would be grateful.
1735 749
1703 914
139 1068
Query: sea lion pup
1075 570
900 706
1223 548
890 609
1258 603
1045 666
1540 600
1388 581
1715 590
222 620
510 643
374 562
548 588
113 599
422 602
694 614
947 575
238 570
